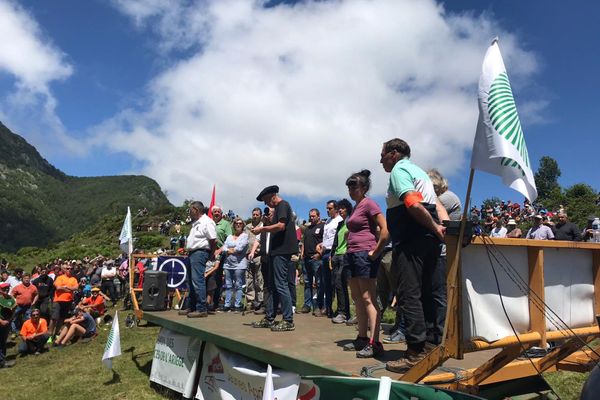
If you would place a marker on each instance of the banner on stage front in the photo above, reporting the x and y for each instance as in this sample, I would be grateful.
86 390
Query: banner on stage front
230 376
174 356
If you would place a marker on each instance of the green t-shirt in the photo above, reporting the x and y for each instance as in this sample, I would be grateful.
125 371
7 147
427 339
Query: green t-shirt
342 242
223 230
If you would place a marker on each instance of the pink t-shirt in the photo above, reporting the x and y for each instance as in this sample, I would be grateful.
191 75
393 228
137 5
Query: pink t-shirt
362 227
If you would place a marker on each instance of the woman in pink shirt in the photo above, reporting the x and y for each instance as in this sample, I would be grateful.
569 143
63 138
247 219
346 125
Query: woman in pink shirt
365 245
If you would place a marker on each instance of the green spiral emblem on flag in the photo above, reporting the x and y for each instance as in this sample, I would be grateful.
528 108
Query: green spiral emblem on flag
505 119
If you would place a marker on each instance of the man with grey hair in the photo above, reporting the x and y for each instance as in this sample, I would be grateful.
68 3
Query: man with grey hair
224 229
201 245
565 229
254 278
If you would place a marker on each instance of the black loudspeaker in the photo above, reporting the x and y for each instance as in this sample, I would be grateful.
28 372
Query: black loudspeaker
154 292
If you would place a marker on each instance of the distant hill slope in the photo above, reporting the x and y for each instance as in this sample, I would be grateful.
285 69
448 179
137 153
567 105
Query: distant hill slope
40 205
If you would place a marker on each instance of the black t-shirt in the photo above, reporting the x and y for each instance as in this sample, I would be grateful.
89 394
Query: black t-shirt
313 235
284 242
44 285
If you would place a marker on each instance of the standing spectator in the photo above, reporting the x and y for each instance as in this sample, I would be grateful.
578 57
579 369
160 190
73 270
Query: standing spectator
123 275
108 274
512 230
34 334
539 231
414 215
365 246
326 290
223 230
499 231
254 278
26 296
45 286
283 244
80 325
6 277
235 250
565 229
263 246
341 273
201 244
5 317
64 287
313 236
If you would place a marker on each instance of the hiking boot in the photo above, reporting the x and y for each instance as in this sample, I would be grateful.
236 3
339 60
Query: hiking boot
283 326
184 312
370 350
198 314
339 319
357 344
410 359
263 323
304 310
395 338
352 321
319 313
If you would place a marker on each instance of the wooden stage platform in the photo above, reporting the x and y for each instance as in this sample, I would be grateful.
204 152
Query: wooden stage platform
314 348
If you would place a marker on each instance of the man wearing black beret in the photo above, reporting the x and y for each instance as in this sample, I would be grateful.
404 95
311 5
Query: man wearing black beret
282 245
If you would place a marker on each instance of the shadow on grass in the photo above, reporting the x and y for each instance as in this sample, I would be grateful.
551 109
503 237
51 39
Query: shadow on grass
146 367
116 378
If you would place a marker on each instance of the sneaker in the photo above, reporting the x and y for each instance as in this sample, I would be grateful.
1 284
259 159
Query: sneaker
352 321
304 310
410 359
260 311
198 314
357 344
339 319
395 338
184 312
283 326
263 323
7 364
319 313
370 350
50 340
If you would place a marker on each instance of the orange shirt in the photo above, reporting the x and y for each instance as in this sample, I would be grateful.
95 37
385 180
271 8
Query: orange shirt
24 294
97 304
64 295
29 328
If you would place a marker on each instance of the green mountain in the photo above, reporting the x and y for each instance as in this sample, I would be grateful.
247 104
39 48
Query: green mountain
40 205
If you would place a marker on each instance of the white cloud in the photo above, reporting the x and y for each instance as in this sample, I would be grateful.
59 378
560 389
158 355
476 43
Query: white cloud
31 62
304 95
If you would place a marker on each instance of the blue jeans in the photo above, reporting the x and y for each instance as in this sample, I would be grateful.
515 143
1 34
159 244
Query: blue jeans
22 313
234 281
197 282
278 282
312 270
325 293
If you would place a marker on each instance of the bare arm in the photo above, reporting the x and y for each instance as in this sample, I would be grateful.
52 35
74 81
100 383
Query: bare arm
441 211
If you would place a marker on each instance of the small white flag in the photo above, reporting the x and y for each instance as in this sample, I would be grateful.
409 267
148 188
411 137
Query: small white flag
126 238
269 390
113 343
499 146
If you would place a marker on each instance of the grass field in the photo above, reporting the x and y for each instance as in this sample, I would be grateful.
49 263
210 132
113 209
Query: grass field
76 371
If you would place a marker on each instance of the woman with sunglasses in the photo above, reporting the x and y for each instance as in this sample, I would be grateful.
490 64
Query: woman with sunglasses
234 266
367 236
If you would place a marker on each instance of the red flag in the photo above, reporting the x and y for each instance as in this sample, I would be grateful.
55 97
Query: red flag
212 202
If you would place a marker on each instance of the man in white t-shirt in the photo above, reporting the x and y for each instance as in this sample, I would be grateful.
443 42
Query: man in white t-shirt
325 294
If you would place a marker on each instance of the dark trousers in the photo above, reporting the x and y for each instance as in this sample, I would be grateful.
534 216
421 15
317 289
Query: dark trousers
435 309
197 281
417 287
265 262
311 271
218 275
108 288
4 332
33 345
278 283
325 292
341 277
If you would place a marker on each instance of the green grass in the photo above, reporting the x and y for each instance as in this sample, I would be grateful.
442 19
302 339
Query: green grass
566 384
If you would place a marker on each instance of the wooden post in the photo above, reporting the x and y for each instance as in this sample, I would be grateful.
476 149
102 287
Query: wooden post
537 318
596 272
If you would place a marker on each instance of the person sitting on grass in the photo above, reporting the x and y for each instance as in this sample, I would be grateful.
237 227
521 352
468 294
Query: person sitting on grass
34 334
81 325
94 304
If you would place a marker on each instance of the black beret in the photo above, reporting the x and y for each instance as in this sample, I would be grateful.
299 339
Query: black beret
267 190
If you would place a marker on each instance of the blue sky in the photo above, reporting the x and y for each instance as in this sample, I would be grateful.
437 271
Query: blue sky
299 94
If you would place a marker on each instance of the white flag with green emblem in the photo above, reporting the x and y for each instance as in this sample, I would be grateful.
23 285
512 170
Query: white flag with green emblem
499 146
126 236
113 343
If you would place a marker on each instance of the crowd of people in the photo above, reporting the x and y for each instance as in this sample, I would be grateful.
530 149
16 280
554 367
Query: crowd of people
57 303
357 254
